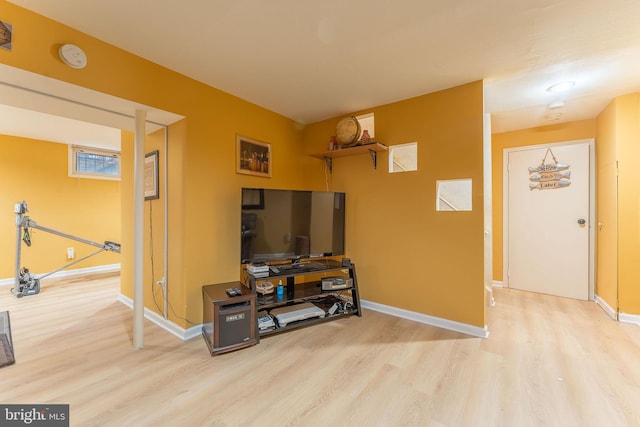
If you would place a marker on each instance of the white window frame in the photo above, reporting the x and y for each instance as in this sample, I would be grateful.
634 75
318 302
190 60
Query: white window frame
367 122
395 167
463 188
73 170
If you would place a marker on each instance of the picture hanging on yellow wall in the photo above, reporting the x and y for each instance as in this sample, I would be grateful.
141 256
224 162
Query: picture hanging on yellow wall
253 157
151 176
5 35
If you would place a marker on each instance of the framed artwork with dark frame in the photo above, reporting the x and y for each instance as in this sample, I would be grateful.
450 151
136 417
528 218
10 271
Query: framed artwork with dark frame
151 189
252 198
253 157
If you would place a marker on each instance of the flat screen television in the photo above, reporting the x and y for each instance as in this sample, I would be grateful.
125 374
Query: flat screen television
289 225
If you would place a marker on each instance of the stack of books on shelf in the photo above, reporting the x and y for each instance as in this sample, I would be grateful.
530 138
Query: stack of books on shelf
258 270
265 322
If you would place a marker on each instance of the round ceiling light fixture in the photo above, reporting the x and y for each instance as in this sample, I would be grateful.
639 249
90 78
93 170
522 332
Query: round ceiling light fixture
555 105
561 87
73 56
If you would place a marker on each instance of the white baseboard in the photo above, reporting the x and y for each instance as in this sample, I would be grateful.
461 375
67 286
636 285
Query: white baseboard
194 331
109 268
629 318
167 325
426 319
606 307
621 317
498 284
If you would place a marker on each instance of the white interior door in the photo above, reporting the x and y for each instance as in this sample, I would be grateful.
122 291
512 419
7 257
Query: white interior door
548 221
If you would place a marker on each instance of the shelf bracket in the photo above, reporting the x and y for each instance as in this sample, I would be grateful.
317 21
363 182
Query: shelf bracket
374 158
329 162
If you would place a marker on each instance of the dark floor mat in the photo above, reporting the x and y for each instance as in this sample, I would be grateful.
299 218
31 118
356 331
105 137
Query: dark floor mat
6 352
6 344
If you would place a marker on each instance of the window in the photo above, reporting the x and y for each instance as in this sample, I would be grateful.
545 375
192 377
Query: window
87 162
368 123
403 157
454 195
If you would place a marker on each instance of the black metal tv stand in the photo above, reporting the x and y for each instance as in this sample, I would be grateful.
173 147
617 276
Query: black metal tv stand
303 285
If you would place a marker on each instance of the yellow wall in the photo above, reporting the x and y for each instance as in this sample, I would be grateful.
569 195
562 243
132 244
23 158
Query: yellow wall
407 254
36 171
628 150
606 207
535 136
619 204
204 187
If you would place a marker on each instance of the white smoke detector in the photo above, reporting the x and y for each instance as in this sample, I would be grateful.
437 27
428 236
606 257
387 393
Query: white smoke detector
73 56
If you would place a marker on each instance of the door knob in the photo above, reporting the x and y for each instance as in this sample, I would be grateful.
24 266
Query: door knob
581 221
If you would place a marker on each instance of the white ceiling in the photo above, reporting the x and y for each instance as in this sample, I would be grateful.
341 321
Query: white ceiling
48 127
39 107
315 60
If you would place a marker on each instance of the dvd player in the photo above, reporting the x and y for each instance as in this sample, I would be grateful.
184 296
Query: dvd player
294 313
336 283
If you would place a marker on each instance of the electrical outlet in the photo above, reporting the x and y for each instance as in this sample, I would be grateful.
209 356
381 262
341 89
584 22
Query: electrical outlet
70 253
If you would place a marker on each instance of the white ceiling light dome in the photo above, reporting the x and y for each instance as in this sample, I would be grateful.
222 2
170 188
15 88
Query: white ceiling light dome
556 104
561 87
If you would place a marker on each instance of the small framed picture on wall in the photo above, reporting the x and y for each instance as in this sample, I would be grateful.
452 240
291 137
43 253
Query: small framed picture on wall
151 190
253 157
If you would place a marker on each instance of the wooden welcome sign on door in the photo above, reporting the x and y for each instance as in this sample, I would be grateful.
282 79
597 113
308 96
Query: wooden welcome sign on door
549 176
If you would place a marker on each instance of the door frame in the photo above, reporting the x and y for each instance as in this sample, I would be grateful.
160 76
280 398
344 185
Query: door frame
592 199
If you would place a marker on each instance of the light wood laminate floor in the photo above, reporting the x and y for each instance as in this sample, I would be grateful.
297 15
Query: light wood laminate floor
548 362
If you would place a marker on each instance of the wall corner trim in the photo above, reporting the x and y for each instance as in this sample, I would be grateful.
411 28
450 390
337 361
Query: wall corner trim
498 284
428 320
167 325
606 307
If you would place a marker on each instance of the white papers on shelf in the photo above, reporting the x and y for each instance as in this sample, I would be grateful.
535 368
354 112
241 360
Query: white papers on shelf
258 270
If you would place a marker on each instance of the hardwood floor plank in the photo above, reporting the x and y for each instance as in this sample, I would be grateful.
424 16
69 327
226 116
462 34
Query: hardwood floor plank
548 362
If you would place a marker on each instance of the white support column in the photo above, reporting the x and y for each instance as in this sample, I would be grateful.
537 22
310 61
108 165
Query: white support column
165 275
138 230
488 211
